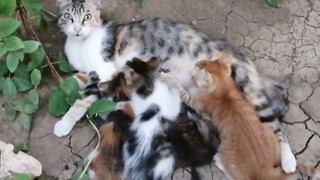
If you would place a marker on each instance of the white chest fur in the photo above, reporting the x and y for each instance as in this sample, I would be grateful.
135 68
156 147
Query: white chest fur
85 54
167 99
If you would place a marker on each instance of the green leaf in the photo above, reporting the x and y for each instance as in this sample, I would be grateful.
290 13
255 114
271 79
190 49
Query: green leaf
24 147
22 72
25 120
42 24
73 97
20 176
57 102
13 43
12 61
7 7
70 86
35 77
22 84
26 106
2 79
8 26
76 176
3 68
30 46
64 65
9 89
101 106
3 49
272 3
34 96
9 112
33 7
144 3
36 59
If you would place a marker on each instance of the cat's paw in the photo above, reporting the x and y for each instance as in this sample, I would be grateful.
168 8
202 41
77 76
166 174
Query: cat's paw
288 161
63 128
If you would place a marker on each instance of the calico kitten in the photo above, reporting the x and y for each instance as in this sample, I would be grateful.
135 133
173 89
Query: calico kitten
99 45
249 150
162 136
195 141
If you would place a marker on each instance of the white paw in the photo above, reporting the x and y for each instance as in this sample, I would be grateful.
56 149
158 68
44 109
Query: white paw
121 104
288 161
62 128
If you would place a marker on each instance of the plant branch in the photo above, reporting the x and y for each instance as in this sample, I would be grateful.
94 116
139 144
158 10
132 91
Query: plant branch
30 33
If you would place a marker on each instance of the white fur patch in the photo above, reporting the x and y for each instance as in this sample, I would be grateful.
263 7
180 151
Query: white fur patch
85 55
164 168
288 161
167 99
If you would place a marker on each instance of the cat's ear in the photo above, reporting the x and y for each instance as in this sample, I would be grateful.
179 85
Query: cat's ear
202 64
61 3
226 59
96 3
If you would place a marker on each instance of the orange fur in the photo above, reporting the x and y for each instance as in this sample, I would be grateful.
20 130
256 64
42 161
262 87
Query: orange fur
107 165
249 150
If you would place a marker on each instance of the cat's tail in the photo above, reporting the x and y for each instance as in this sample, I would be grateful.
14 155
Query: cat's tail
308 170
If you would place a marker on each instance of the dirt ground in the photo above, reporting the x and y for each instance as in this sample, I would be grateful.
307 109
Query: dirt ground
283 43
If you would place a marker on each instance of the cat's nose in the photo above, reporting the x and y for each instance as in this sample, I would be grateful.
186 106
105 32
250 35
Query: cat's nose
77 29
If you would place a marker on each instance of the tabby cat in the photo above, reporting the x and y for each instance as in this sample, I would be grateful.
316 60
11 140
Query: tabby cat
103 46
249 150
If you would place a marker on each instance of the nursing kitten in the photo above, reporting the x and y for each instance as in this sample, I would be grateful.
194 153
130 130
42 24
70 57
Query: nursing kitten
194 140
162 136
249 150
98 45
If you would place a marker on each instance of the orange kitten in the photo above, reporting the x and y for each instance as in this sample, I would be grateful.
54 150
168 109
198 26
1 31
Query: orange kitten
249 150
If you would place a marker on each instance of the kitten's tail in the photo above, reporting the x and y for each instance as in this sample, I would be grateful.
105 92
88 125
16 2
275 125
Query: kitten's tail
194 174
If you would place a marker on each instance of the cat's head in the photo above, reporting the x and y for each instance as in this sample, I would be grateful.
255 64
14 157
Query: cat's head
117 88
214 71
138 72
78 18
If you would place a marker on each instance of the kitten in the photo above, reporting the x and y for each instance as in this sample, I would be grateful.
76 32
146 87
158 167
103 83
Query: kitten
162 137
98 45
249 149
195 141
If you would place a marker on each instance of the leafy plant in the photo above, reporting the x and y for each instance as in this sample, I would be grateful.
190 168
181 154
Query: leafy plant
20 176
20 59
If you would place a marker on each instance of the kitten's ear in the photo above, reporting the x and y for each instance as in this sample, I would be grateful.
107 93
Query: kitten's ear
96 3
61 3
202 64
153 64
226 59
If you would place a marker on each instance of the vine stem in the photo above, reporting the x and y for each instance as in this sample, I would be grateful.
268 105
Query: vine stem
30 33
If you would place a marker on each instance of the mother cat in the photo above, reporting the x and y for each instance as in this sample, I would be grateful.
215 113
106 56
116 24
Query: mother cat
98 45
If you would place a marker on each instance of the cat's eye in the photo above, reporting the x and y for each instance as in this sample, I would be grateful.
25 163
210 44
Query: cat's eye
87 17
67 16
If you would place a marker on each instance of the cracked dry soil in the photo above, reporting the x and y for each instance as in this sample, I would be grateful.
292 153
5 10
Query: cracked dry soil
283 43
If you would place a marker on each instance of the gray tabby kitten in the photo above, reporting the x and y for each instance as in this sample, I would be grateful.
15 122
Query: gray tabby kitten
99 45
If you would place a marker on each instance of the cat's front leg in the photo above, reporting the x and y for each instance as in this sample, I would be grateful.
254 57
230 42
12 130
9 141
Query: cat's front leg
172 81
288 160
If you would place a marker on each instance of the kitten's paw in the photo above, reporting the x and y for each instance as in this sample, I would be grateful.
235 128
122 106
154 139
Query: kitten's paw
62 128
169 79
288 161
